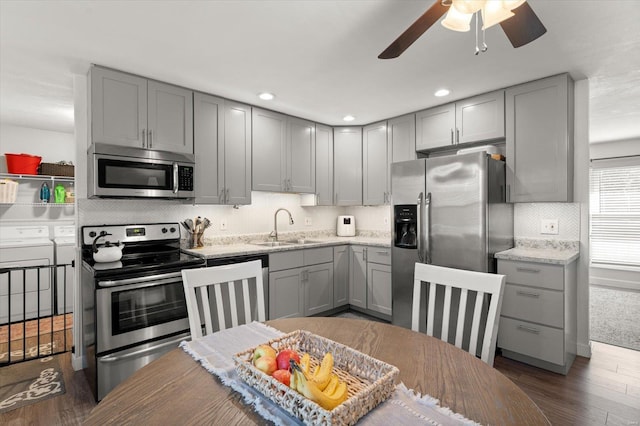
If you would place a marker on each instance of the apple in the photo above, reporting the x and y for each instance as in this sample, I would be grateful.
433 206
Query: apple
284 356
266 364
283 376
263 350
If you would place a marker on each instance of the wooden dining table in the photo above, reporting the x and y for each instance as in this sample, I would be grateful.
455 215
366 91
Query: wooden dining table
176 389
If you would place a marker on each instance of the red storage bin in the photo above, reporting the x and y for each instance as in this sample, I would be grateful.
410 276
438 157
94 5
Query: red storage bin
23 164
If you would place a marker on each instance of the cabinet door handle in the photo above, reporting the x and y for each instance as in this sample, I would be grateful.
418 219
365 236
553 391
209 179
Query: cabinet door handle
364 254
383 252
529 270
221 196
226 195
529 329
451 136
508 193
528 294
150 138
457 135
144 137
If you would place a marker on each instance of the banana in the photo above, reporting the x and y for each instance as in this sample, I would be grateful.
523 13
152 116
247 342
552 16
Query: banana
322 373
305 363
333 383
310 389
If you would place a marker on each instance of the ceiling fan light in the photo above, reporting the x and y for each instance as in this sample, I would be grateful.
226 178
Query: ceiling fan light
469 6
511 4
457 21
493 13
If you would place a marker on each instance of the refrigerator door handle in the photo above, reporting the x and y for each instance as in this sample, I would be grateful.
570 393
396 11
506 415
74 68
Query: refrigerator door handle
419 226
427 226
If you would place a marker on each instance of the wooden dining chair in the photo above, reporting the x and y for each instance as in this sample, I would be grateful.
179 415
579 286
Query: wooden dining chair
225 290
488 289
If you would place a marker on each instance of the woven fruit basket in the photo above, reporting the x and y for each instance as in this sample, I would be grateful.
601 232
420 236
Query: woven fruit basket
369 381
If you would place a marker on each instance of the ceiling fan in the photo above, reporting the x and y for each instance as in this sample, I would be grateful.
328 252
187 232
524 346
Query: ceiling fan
518 21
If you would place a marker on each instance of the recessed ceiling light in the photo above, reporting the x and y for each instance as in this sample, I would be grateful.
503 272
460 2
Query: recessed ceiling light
441 92
348 118
266 96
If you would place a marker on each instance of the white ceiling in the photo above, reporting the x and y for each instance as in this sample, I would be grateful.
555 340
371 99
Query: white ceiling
318 57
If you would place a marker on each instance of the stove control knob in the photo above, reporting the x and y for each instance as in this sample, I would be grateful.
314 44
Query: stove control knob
164 230
173 230
92 234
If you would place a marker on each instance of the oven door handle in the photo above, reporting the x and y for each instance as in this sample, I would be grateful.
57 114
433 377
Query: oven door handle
161 278
110 358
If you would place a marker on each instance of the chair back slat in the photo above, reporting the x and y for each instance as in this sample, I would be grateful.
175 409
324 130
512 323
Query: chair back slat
432 307
489 287
461 317
220 282
444 333
247 301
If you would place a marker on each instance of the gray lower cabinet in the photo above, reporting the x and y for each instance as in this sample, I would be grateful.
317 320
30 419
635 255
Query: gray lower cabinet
133 111
538 319
347 163
222 145
539 140
358 277
477 119
300 282
370 279
324 165
340 276
284 153
375 164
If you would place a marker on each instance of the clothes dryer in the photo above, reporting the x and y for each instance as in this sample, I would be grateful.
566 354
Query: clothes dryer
64 241
30 295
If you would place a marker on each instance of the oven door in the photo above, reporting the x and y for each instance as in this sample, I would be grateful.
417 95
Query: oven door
135 310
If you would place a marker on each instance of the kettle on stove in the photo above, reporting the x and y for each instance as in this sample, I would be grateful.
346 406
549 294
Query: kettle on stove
109 252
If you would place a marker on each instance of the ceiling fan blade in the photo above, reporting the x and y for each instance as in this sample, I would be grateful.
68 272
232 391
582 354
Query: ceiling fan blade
416 29
524 27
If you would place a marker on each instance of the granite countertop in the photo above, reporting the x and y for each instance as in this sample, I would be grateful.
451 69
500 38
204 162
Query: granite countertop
542 251
247 248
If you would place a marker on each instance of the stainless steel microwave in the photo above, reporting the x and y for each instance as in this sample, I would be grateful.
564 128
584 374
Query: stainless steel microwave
123 172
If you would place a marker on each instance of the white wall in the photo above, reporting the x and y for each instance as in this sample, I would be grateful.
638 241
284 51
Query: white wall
51 146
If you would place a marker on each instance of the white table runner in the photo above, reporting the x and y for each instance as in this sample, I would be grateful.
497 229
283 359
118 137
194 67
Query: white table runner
215 353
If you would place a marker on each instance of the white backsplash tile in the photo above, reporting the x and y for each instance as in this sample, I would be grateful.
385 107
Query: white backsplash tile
528 217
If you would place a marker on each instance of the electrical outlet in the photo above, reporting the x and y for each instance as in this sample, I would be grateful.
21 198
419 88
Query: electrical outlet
307 221
223 224
549 226
386 220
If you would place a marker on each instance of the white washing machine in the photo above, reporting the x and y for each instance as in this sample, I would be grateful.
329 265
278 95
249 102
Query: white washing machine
31 289
64 242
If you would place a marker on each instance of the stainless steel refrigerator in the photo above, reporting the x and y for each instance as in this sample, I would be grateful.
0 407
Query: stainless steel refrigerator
448 211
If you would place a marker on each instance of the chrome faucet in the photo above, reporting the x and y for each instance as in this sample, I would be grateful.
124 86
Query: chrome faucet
274 233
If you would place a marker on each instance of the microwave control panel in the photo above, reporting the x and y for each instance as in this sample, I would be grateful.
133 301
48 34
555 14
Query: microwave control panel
185 178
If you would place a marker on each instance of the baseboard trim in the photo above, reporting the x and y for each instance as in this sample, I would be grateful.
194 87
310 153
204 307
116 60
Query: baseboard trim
584 350
77 362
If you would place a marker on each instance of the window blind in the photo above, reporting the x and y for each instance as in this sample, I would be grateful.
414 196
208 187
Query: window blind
614 188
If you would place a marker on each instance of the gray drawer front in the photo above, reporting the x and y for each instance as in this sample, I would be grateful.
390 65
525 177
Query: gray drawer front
379 255
534 340
317 255
532 274
534 304
286 260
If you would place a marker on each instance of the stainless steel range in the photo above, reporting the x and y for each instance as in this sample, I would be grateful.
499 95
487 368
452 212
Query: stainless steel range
134 308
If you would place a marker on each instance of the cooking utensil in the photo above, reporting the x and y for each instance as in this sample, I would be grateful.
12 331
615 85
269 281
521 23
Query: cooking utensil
206 223
109 252
189 223
185 226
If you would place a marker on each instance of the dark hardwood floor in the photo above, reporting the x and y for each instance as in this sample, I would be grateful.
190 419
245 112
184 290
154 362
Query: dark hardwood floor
603 390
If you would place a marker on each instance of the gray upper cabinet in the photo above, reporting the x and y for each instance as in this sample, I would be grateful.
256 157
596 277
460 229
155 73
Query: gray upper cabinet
375 164
268 150
301 152
222 136
324 165
435 127
237 153
401 132
476 119
539 140
347 162
283 153
133 111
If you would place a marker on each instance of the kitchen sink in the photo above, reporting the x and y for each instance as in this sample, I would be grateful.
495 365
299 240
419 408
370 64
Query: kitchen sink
302 241
273 243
